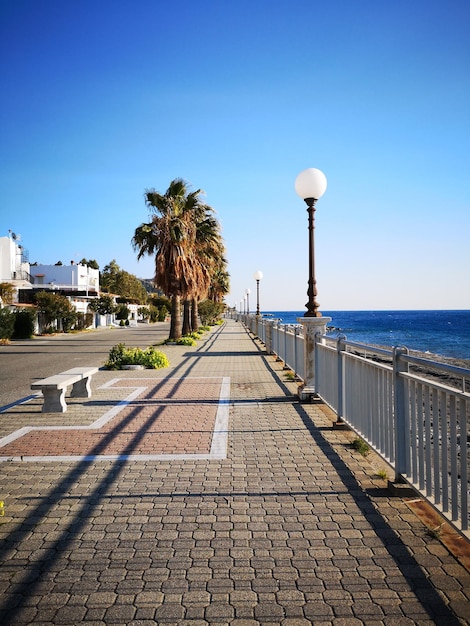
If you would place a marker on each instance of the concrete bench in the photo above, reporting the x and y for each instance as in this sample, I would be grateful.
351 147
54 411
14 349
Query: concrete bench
54 387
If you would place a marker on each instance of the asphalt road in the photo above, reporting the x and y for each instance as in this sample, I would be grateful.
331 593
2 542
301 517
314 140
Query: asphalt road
23 361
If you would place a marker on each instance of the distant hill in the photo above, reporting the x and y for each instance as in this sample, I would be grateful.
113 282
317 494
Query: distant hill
149 286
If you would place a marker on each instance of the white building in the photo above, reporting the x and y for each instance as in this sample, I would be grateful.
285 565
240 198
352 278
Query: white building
79 282
74 278
14 263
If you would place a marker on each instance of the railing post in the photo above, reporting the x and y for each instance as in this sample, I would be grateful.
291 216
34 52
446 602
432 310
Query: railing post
402 426
269 336
284 358
312 326
296 334
340 348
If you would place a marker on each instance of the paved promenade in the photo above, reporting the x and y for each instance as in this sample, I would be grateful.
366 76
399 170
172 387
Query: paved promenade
206 493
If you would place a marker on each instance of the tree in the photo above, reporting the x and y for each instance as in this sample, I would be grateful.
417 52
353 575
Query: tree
121 283
24 323
6 292
185 238
210 311
7 325
209 250
171 236
122 312
56 309
103 306
91 263
220 284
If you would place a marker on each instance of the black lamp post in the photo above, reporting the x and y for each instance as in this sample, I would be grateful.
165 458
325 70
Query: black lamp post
247 293
310 185
258 275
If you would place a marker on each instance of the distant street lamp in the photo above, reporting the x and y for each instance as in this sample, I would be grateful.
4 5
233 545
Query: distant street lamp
258 275
247 292
241 303
310 185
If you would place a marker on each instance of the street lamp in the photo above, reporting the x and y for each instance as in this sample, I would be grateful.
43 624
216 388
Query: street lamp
258 275
310 185
248 291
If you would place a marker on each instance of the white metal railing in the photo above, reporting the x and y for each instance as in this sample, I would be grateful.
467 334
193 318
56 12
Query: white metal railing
414 412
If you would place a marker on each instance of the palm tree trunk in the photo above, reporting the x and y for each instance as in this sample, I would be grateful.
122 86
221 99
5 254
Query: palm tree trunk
194 315
186 317
175 324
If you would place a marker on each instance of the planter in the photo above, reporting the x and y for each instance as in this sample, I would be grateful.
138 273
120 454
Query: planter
132 367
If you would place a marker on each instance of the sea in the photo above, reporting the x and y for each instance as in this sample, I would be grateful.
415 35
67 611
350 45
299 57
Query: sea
444 333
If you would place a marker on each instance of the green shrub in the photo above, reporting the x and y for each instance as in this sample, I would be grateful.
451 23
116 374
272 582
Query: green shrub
155 359
150 358
115 357
69 320
187 340
209 311
84 320
162 313
24 324
122 312
7 324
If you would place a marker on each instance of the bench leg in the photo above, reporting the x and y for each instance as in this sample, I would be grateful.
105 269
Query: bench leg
81 389
54 401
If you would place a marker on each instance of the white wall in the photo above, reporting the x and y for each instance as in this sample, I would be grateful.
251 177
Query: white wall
79 277
10 260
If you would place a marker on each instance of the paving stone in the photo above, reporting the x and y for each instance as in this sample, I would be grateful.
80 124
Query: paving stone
284 530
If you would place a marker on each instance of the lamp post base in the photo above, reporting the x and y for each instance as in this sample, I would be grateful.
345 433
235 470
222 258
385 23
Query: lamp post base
311 326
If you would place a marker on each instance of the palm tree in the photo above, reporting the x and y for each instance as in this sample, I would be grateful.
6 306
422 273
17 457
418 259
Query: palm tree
220 284
172 235
209 251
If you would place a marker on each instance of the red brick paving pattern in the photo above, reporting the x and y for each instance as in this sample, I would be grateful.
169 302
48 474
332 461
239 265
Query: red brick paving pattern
174 416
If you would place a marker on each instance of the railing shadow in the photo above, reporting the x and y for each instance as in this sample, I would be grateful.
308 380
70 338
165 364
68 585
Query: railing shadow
27 583
405 562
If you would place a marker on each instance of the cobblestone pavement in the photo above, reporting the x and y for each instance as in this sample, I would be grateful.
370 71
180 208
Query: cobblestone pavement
120 511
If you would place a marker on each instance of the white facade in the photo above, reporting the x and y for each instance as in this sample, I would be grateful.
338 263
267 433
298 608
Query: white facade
14 266
74 277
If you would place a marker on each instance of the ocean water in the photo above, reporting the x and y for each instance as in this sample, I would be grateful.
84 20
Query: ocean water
446 333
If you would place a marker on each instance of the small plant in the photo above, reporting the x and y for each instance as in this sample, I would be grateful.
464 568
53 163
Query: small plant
290 376
360 446
150 358
204 329
187 340
381 473
436 532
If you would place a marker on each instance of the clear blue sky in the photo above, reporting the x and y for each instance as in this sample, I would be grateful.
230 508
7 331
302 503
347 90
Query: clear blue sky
103 99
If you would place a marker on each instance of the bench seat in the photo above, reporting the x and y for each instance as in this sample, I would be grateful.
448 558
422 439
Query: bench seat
54 387
82 388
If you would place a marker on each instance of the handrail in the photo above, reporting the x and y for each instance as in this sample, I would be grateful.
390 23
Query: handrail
396 402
